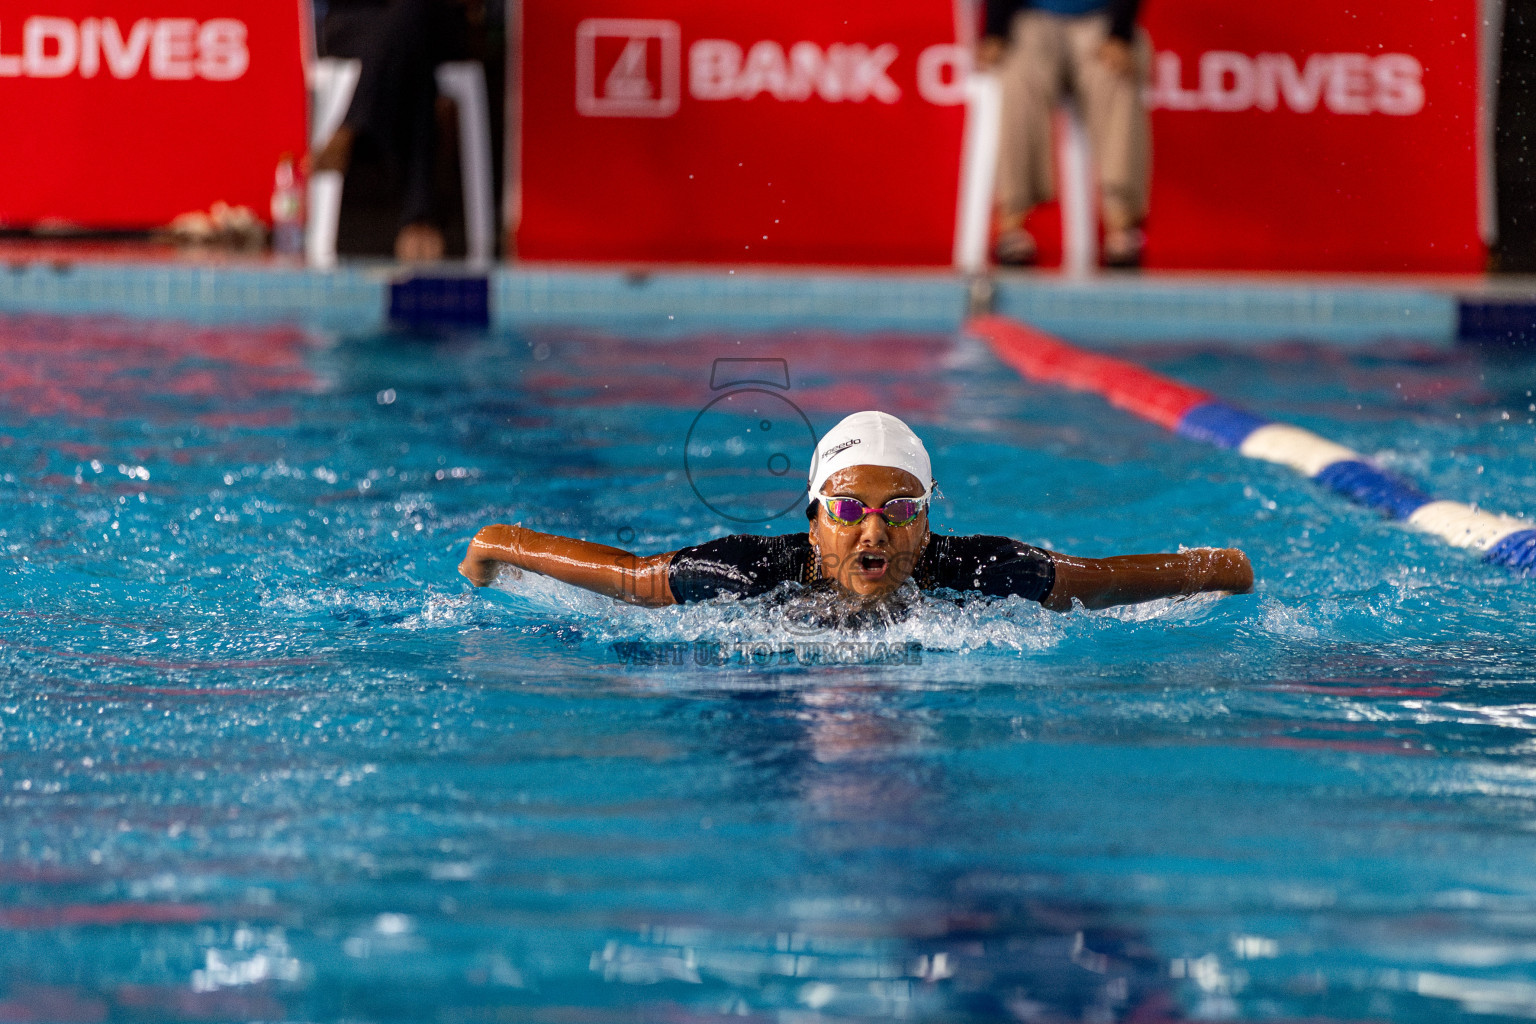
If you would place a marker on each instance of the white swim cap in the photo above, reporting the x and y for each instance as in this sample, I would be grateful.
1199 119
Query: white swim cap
870 439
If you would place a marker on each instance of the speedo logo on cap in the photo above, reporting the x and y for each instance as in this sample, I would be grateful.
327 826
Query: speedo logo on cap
842 447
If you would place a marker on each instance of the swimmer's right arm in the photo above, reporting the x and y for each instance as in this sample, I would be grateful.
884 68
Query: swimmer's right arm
597 567
1130 579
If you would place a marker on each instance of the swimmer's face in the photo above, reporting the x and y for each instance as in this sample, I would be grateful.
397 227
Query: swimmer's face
869 559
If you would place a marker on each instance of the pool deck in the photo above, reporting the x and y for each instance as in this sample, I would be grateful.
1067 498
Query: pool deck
371 296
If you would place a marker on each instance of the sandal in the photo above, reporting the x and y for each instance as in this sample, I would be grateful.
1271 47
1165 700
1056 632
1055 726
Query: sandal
1014 247
1123 249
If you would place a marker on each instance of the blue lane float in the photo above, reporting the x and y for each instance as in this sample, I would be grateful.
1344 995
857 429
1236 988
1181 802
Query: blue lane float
1200 416
1503 540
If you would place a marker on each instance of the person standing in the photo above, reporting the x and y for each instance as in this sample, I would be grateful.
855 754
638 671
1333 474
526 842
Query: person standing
1092 50
394 108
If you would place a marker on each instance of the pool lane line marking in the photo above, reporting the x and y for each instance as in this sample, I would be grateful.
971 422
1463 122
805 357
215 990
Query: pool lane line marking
1200 416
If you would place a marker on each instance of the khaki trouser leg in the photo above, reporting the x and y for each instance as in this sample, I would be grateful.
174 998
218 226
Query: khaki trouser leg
1115 115
1032 74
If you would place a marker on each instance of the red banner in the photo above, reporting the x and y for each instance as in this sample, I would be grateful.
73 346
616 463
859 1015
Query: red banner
1315 135
694 130
126 113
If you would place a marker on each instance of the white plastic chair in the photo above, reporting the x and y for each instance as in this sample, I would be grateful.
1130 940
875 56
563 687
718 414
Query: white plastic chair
332 81
978 171
1074 171
463 81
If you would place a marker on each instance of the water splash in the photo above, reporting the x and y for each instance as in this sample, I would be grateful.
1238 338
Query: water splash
793 615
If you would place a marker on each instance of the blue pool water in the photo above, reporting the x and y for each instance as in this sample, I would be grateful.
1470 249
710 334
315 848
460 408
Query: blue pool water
263 754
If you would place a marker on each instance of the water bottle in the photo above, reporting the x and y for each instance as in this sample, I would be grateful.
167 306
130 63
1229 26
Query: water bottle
287 209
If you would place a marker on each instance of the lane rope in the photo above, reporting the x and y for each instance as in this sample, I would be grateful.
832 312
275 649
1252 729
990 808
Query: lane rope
1201 416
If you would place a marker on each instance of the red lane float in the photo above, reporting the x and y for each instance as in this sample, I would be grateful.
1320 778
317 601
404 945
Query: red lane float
1197 415
1042 357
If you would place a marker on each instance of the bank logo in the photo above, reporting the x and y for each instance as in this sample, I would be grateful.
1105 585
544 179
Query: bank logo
628 67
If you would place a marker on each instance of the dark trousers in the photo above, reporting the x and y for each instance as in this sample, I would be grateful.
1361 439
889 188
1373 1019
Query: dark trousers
393 112
1515 139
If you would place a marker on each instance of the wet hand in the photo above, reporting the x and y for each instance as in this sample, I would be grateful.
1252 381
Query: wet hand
480 571
1223 569
492 546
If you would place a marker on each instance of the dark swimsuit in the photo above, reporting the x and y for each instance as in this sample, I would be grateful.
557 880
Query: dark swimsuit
748 565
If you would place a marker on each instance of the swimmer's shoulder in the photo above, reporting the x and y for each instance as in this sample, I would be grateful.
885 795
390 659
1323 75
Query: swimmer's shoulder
746 547
976 545
745 564
988 564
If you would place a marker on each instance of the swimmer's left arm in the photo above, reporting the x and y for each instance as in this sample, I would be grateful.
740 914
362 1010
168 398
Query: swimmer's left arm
1129 579
616 573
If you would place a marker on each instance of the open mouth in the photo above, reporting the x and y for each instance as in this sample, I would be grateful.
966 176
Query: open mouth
871 565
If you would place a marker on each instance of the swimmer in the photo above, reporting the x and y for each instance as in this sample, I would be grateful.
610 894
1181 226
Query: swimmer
870 486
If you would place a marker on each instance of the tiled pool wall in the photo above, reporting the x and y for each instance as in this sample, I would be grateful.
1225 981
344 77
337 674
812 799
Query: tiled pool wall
365 298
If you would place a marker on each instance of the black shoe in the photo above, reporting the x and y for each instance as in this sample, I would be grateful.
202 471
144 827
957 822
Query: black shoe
1015 247
1123 249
